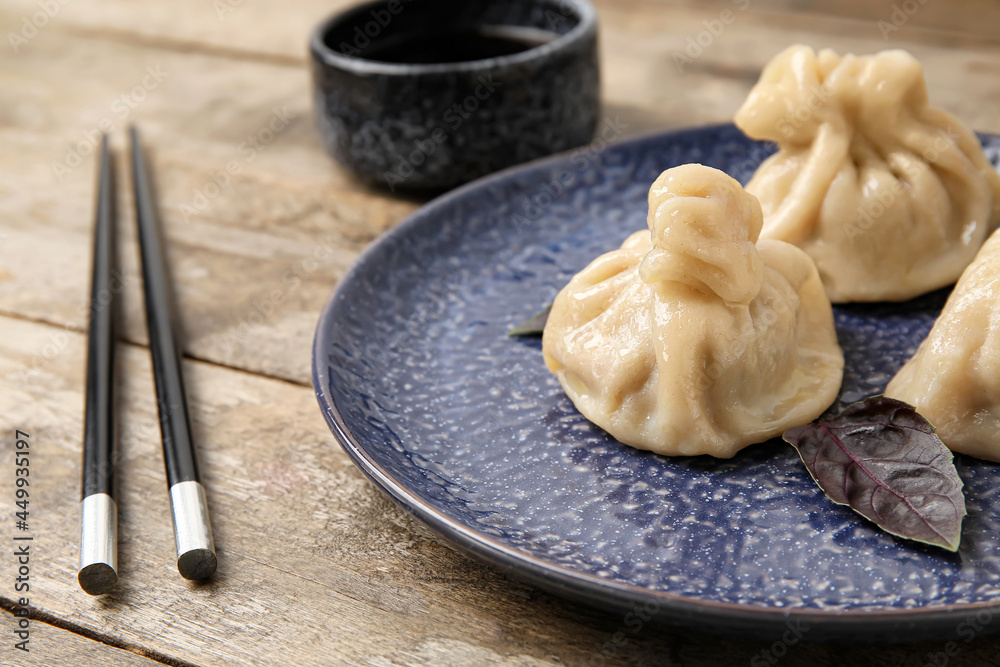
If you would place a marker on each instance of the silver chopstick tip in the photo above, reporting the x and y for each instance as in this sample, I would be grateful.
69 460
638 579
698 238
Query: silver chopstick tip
192 531
97 578
197 564
98 544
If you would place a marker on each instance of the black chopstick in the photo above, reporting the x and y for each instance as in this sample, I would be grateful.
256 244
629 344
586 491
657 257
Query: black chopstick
98 571
192 529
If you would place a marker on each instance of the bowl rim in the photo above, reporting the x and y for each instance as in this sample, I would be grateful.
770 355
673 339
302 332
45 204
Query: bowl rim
323 54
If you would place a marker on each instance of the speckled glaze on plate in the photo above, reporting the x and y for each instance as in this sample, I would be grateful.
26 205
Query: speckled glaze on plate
466 429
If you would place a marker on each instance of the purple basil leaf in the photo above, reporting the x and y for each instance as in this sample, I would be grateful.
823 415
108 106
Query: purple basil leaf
533 327
881 458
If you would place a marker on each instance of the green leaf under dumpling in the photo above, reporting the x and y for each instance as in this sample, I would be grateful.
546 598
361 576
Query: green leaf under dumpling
534 326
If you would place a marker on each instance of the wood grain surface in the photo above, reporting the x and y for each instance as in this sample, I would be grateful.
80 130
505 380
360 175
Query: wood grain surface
316 567
50 646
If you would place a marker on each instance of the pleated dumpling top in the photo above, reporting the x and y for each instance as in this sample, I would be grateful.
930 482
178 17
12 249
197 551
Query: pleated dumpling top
891 197
693 337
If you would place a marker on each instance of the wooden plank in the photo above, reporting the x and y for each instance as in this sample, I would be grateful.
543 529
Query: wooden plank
965 19
666 78
255 264
638 35
50 645
263 30
245 28
316 566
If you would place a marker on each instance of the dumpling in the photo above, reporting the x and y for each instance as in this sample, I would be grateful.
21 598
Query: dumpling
692 338
954 378
890 197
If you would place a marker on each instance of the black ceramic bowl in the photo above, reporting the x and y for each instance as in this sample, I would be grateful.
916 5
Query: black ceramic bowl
423 95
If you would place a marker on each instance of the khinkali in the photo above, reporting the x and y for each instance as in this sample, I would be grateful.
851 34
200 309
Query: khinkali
692 338
954 378
890 197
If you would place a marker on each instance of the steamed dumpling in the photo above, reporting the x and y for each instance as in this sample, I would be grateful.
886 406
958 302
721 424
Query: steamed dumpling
954 378
890 197
692 338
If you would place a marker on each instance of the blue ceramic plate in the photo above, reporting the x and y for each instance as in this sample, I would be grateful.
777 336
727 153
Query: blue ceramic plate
465 428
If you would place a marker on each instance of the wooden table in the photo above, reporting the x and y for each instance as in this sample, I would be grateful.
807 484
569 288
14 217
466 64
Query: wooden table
316 567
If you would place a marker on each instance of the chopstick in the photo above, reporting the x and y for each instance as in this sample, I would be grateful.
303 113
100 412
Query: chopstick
196 557
98 571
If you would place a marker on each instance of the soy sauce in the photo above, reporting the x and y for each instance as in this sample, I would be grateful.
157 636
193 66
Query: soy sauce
456 46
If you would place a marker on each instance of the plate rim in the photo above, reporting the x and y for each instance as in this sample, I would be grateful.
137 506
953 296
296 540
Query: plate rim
709 616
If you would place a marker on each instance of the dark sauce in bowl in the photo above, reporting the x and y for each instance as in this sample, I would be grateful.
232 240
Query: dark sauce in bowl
479 43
